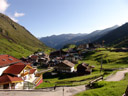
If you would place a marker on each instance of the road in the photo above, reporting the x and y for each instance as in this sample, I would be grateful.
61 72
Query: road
60 91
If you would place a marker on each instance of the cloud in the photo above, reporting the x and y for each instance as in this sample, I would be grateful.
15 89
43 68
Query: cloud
3 6
18 14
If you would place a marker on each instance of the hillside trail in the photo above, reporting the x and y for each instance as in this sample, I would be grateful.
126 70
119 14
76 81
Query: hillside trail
118 76
62 91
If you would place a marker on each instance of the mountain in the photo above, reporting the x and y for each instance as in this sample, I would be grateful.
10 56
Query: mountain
96 35
58 41
15 40
117 37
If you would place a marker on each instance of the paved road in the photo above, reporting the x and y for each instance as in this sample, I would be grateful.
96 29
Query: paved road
60 91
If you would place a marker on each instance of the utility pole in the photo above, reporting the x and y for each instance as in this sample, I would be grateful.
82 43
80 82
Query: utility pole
103 43
63 91
60 53
101 64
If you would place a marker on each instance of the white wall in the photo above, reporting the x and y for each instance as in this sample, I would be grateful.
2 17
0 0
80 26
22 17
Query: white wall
19 85
1 86
72 69
2 69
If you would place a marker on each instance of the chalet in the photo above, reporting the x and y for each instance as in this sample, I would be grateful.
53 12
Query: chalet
34 58
58 53
6 61
10 82
65 66
84 68
54 62
86 46
72 58
39 59
15 74
43 62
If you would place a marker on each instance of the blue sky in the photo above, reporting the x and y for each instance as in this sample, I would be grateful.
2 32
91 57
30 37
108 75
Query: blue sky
48 17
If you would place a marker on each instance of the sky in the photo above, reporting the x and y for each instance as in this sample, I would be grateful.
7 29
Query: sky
52 17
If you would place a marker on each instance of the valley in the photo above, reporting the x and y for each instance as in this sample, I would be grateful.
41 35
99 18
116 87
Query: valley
76 60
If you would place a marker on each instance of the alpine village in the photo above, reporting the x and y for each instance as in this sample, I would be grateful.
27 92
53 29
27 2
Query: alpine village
94 64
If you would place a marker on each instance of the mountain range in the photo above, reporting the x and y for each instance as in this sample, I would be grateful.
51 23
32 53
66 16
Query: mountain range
58 41
117 37
17 41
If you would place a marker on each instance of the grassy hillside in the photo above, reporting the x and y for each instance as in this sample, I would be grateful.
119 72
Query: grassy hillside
15 40
111 60
117 37
96 35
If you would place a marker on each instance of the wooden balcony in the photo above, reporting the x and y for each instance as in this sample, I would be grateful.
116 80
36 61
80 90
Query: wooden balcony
23 74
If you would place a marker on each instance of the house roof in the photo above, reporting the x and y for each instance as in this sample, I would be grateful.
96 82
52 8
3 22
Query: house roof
34 57
58 53
6 60
4 79
85 65
32 71
16 68
66 62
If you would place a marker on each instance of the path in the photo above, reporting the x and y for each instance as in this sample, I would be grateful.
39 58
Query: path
118 76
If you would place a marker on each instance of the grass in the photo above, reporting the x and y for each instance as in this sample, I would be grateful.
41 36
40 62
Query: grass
110 59
105 88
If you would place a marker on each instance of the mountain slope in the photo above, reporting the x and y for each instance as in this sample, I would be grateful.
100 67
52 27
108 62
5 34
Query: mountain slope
16 40
117 37
96 35
58 41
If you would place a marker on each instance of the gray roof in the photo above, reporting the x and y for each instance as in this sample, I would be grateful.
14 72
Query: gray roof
70 64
